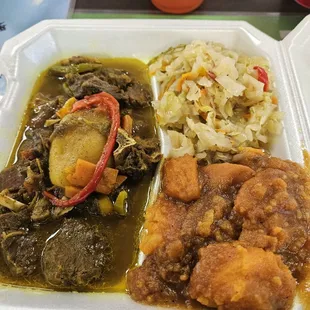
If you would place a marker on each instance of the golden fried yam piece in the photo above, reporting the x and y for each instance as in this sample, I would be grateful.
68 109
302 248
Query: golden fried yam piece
180 178
223 176
229 276
163 221
275 206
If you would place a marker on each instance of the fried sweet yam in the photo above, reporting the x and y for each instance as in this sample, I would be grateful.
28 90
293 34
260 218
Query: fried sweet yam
233 247
163 239
180 179
224 176
275 207
229 276
160 225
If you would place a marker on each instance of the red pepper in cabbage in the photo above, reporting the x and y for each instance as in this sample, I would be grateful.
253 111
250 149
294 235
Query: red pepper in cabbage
262 77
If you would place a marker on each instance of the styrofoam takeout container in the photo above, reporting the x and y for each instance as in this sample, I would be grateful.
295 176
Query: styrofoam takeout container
26 55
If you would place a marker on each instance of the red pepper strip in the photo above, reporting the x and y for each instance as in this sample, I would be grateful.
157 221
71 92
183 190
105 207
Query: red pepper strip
211 75
102 101
262 77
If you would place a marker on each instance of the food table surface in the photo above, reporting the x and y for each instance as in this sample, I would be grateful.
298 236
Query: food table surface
274 17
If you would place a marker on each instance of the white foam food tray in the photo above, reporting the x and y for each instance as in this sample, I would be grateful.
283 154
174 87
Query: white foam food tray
26 55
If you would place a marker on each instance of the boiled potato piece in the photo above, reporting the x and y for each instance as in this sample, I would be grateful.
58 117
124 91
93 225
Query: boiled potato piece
81 134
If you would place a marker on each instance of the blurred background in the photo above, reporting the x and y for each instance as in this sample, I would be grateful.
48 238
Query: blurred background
18 15
274 17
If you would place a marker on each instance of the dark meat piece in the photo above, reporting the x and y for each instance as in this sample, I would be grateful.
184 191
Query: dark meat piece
77 255
34 146
61 71
43 113
135 156
144 284
22 252
28 173
44 109
34 182
180 178
89 84
75 60
13 177
135 164
3 210
116 82
12 221
229 276
21 180
139 96
36 143
149 146
117 77
141 122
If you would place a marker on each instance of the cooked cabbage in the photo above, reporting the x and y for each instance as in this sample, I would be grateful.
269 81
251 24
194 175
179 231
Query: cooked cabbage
181 145
211 99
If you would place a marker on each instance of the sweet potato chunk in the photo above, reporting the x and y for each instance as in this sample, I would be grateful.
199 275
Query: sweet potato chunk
224 176
181 178
229 276
161 227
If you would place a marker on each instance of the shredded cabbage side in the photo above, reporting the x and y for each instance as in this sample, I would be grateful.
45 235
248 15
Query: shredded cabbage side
211 100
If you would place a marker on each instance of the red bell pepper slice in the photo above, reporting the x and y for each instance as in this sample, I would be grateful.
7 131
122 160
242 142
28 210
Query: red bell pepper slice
211 75
262 77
